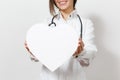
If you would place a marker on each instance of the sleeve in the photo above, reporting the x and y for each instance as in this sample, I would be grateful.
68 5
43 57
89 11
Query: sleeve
89 52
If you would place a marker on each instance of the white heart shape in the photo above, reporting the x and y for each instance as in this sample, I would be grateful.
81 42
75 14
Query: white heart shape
52 45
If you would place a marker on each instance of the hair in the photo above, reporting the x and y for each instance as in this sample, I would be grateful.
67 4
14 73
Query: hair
52 6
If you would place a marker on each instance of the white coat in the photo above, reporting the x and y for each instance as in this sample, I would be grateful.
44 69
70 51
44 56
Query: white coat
73 69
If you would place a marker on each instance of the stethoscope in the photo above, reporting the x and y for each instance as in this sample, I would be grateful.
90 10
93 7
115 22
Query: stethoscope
81 27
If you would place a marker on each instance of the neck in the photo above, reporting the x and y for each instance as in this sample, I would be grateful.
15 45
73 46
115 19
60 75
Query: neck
66 13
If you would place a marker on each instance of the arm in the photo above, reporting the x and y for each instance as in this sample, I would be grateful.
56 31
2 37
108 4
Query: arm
89 48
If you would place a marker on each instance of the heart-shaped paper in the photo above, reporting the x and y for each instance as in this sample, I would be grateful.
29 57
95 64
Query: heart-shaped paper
52 45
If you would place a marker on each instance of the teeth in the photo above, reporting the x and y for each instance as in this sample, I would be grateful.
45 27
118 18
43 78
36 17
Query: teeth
63 2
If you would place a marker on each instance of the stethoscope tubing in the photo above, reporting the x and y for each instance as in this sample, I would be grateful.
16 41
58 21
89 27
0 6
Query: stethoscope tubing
81 27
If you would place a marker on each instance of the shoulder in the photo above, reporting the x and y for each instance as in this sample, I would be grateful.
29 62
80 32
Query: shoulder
86 21
48 19
88 25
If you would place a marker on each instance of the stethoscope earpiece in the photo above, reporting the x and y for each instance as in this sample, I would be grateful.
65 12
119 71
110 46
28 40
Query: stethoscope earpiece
52 21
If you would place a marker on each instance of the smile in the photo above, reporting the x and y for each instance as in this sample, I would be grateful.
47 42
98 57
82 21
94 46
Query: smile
62 2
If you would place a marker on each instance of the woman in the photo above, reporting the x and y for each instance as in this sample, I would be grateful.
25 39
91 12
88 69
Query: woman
73 68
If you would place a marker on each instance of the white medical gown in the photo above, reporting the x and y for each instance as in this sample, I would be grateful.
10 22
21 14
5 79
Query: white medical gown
73 69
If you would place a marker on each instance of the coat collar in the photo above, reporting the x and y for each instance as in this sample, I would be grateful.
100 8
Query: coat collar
73 14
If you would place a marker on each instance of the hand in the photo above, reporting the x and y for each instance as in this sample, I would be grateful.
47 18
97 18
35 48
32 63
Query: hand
79 48
27 47
32 56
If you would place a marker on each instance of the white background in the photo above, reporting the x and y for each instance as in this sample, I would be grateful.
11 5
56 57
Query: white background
17 16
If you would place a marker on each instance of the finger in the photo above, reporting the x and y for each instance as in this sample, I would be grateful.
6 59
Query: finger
81 44
79 49
27 49
26 46
34 59
76 52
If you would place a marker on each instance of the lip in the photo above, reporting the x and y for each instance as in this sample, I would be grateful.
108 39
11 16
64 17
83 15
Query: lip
62 2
